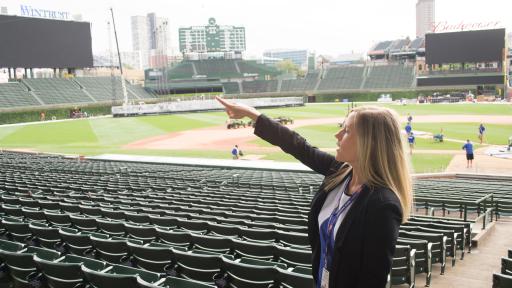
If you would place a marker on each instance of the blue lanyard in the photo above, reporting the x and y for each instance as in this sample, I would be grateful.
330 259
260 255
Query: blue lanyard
331 222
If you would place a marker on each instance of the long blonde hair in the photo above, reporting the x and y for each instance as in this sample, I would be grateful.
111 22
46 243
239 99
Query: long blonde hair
381 154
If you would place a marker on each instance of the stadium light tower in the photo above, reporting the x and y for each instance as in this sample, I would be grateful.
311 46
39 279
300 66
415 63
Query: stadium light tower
123 85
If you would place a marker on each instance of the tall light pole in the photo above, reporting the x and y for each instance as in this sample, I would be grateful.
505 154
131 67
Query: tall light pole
123 84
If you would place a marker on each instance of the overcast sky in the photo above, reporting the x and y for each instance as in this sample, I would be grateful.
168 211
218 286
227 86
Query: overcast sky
331 27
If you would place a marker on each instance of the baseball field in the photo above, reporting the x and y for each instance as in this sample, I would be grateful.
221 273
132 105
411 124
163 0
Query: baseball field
205 135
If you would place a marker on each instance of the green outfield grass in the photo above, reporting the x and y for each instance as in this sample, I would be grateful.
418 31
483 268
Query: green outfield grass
430 163
109 135
494 134
340 110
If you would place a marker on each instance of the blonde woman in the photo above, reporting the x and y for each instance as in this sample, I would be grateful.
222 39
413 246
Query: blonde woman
366 194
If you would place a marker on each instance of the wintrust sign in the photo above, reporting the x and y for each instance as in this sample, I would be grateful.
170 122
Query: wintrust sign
29 11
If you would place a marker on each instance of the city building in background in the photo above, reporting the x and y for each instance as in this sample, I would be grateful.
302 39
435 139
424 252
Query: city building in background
151 40
212 41
425 17
298 56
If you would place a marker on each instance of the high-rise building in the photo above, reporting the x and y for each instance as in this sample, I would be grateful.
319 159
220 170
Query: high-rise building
299 57
151 36
425 17
212 38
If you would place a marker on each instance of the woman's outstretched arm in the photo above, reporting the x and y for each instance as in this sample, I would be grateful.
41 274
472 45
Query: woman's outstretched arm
279 135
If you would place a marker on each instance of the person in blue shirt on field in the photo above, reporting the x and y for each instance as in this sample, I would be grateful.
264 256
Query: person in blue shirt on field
408 128
412 140
469 153
481 131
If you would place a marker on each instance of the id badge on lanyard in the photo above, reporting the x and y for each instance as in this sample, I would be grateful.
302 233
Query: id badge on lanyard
331 222
325 279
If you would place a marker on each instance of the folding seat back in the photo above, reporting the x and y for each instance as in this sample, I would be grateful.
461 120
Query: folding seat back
295 240
44 235
90 211
70 208
175 282
12 210
66 271
223 230
158 258
17 230
438 248
253 250
58 219
402 269
137 218
113 214
194 226
111 250
241 275
83 223
293 257
111 227
501 281
220 245
108 278
32 214
423 257
21 263
258 235
290 279
506 266
144 233
175 238
198 266
49 205
164 221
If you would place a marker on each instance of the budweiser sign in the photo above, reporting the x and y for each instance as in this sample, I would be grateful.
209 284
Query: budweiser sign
444 26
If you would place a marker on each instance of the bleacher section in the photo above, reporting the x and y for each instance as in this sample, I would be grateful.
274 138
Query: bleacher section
259 86
193 222
251 67
338 78
66 91
390 76
14 94
57 91
221 68
217 68
102 88
183 70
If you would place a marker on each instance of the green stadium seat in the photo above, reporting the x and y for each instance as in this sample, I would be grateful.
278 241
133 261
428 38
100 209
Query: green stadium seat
175 282
291 279
44 235
84 223
295 240
144 233
198 266
174 238
506 266
501 281
253 250
121 276
21 263
114 250
217 229
66 271
154 257
16 230
242 275
258 235
58 219
423 257
403 267
111 227
219 245
293 257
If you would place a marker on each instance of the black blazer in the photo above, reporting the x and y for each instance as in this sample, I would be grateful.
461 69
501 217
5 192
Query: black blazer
365 241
